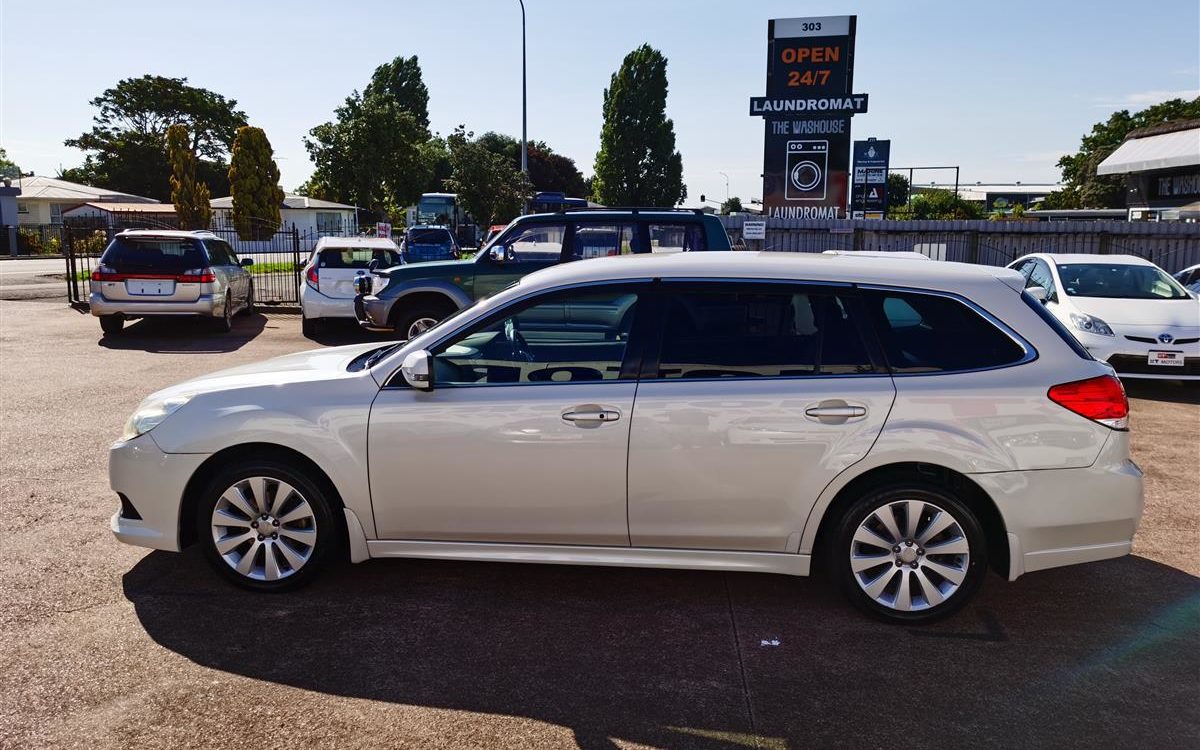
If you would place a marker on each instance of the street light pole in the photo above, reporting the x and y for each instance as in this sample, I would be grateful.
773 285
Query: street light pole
726 185
524 104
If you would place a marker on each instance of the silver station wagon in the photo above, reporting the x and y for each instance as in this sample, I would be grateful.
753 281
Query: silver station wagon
151 273
903 426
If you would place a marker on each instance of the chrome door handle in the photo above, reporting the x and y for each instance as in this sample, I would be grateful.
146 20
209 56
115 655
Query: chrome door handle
844 412
592 415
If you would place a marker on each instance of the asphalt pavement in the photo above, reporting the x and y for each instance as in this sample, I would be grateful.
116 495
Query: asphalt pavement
108 646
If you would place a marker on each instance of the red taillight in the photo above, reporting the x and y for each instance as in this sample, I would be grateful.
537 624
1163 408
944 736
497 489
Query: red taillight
314 278
1101 399
192 276
196 276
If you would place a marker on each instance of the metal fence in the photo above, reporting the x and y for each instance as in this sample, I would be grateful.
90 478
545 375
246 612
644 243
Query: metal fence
1168 245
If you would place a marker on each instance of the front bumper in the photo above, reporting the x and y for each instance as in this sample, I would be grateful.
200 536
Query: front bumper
372 312
1130 358
153 482
205 305
1057 517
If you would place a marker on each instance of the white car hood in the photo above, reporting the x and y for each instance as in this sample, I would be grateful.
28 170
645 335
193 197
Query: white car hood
1160 313
315 364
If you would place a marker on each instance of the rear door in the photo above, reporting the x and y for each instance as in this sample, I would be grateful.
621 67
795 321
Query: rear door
337 268
758 396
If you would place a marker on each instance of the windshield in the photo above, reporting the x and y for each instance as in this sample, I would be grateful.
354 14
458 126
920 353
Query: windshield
435 210
429 237
1118 281
157 254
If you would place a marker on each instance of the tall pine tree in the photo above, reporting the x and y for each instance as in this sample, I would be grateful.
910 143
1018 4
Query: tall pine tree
637 164
190 196
254 185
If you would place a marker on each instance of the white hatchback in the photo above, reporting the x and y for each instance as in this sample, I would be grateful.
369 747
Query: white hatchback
1125 310
906 426
328 276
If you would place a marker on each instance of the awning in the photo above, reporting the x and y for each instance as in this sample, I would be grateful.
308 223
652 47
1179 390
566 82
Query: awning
1190 211
1166 151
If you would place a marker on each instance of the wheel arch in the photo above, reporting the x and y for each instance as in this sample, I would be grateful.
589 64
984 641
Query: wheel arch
441 294
963 487
246 452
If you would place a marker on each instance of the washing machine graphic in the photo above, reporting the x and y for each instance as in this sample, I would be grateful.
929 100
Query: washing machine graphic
807 170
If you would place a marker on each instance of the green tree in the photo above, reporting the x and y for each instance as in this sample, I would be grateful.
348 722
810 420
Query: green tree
491 189
127 143
637 164
732 206
1082 187
254 185
937 204
548 170
897 191
191 197
8 168
376 152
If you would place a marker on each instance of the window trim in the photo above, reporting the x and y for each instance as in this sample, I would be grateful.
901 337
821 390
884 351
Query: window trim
651 362
1030 353
631 364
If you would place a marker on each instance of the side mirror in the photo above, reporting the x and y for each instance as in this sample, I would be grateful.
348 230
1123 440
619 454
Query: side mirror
418 370
498 253
246 262
1037 292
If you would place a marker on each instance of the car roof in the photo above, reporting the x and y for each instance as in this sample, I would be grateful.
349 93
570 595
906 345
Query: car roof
608 213
382 243
428 226
191 234
1111 260
815 267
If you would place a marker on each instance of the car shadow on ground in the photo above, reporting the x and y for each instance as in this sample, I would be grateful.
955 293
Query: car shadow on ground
1171 391
678 659
338 332
184 335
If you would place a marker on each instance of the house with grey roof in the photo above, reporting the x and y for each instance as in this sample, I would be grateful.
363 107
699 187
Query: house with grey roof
44 199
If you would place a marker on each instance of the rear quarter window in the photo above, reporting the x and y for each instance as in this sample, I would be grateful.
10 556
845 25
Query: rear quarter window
922 332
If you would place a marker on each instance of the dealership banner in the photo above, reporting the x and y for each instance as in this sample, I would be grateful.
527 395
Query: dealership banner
868 193
806 113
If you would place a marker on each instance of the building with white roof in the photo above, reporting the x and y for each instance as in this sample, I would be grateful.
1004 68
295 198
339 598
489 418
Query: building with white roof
43 200
1161 165
311 216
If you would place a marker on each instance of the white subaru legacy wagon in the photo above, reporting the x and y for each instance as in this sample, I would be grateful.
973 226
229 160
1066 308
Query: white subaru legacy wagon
901 426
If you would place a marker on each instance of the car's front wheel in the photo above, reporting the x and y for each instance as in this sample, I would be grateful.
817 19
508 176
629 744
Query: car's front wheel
417 320
909 553
266 526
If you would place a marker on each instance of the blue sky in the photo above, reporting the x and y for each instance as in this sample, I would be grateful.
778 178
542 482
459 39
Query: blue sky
1001 89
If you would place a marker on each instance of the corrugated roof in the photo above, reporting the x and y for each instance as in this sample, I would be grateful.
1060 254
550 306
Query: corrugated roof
52 188
1164 151
290 200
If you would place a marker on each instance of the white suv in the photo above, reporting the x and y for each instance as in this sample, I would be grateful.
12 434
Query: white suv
905 425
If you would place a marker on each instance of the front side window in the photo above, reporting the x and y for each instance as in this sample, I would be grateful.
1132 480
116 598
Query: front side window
1040 275
602 240
537 242
219 253
1118 280
573 337
933 333
676 238
777 332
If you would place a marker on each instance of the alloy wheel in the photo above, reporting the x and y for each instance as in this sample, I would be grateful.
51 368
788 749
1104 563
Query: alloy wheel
909 555
421 325
264 528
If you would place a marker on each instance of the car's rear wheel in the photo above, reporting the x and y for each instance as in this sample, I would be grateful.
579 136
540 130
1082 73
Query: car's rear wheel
417 320
308 326
909 553
266 526
224 324
111 325
250 300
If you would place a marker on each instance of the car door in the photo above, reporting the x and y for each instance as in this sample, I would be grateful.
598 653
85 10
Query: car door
524 436
757 397
528 248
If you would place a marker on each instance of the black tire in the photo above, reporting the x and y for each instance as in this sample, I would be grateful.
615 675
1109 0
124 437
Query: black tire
308 326
224 324
973 567
111 325
404 319
250 300
328 532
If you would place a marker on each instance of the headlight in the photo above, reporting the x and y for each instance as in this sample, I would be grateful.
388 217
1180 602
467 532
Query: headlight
1091 324
151 414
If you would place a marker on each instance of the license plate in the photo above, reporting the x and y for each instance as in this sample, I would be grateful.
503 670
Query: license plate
150 287
1165 359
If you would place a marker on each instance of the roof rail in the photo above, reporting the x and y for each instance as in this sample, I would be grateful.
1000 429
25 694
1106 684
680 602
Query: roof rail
632 209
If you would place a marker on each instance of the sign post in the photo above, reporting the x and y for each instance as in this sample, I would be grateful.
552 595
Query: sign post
868 195
807 111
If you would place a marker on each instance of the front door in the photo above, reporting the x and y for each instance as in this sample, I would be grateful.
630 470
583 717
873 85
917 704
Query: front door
530 248
525 433
759 395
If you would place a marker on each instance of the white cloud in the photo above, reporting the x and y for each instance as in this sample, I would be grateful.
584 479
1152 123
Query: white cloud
1142 99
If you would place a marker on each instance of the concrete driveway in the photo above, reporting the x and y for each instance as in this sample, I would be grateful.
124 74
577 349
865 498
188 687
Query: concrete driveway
103 645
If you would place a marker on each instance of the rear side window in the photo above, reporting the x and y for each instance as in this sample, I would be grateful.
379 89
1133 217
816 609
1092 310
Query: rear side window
932 333
153 254
357 257
676 238
746 334
602 240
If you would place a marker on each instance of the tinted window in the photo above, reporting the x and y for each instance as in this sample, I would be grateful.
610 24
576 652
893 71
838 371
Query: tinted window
153 254
357 257
601 240
577 337
1118 280
675 238
1040 275
932 333
430 237
219 253
779 332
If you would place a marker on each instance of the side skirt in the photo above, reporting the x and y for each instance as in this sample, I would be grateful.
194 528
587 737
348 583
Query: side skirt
631 557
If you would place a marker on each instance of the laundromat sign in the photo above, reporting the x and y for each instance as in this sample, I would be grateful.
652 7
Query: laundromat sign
807 108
